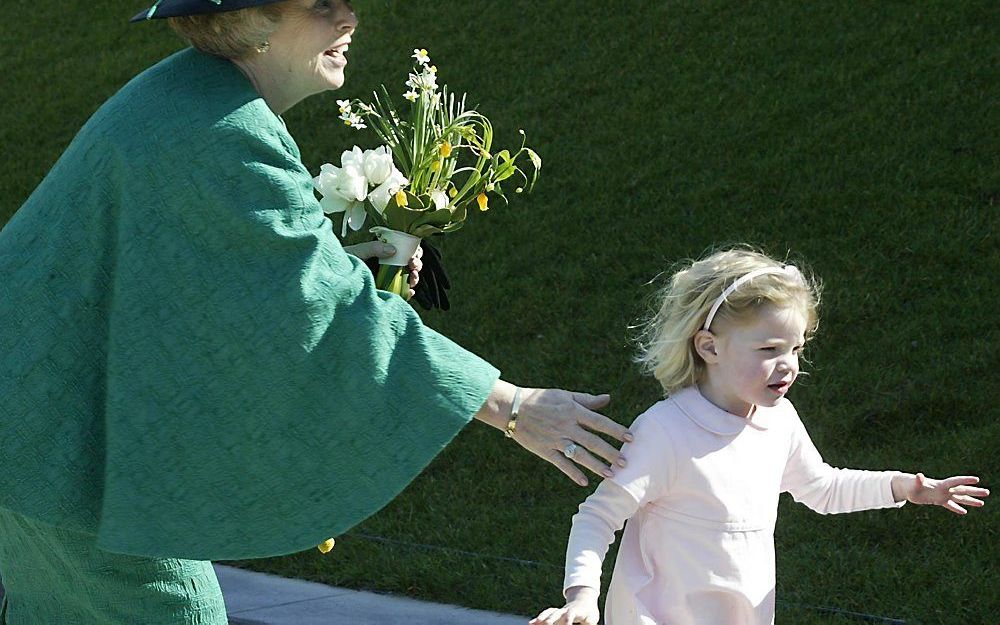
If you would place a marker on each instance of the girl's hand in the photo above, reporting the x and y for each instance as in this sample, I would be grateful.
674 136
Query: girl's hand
377 249
581 607
951 493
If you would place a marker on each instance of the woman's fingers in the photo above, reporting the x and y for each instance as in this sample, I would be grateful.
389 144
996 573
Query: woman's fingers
371 249
600 447
596 421
594 402
587 460
563 463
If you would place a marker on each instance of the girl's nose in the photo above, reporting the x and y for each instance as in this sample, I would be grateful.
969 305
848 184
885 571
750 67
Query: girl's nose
788 364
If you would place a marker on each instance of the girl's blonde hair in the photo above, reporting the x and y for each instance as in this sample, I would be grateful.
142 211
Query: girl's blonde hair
666 340
231 34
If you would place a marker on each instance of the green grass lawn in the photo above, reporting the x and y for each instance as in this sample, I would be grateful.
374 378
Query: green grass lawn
861 138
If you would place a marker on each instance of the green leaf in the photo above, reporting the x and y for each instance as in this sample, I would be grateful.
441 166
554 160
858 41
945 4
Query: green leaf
441 217
426 230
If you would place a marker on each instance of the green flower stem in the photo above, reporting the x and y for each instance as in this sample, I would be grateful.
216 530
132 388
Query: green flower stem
393 279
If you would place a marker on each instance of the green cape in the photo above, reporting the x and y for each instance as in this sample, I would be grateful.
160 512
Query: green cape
192 366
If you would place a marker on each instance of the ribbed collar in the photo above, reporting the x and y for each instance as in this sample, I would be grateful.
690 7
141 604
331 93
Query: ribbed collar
714 419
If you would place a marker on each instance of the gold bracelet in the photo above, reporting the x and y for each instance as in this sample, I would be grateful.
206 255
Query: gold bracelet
514 408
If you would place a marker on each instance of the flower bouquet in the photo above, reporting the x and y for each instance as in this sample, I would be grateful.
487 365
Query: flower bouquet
436 163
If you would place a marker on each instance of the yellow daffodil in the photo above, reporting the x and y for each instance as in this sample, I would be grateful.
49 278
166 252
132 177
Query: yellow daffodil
401 198
483 201
445 149
327 545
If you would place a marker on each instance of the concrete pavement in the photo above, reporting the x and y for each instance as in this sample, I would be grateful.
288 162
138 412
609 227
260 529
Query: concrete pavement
259 599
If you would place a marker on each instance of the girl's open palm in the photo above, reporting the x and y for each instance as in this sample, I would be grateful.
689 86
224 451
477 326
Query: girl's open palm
952 493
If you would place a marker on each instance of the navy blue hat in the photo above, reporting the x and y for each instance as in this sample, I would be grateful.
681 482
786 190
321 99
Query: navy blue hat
180 8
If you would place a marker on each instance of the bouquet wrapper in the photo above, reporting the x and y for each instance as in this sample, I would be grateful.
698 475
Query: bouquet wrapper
392 275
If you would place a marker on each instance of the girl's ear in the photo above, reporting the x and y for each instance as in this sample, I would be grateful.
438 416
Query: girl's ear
704 344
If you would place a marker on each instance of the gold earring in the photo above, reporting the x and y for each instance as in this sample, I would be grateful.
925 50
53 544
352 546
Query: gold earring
264 47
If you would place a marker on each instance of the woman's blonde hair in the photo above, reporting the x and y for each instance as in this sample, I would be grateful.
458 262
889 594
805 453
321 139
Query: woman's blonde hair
231 34
666 340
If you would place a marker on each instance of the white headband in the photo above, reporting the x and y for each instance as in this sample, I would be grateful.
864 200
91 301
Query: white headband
790 270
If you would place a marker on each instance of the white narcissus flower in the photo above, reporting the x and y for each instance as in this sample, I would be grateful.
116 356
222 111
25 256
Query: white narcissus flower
425 80
378 165
345 105
380 195
353 120
440 198
411 96
355 157
421 56
344 190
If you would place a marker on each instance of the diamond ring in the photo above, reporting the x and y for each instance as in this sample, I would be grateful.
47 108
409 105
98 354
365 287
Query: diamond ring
570 450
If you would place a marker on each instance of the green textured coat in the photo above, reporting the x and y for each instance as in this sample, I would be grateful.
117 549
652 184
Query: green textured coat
192 367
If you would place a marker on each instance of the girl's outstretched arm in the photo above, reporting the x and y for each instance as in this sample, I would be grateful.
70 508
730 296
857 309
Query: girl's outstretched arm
951 493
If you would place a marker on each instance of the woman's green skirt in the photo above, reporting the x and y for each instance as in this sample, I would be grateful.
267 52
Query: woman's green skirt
52 575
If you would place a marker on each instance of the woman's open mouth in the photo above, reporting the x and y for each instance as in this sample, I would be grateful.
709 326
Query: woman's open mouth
337 55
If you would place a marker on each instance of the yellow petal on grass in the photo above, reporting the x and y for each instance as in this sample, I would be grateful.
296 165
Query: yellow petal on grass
483 201
445 149
452 192
436 166
401 200
327 545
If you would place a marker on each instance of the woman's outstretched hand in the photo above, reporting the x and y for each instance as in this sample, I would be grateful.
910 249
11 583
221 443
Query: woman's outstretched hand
560 427
951 493
377 249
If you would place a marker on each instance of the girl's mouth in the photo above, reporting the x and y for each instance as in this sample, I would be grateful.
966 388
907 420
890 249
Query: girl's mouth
780 387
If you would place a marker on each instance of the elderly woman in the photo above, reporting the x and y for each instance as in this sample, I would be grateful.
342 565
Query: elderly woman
193 368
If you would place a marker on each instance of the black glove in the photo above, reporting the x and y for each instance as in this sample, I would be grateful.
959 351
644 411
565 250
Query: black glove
432 290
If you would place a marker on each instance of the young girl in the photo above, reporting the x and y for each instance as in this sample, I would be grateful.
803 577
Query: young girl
701 488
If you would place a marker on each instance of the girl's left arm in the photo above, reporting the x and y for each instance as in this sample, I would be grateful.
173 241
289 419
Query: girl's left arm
951 493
